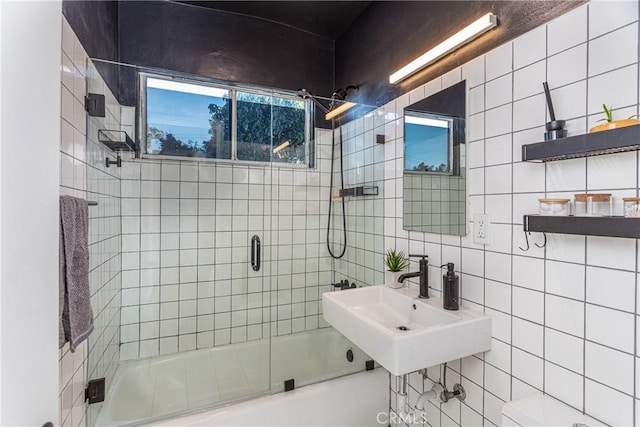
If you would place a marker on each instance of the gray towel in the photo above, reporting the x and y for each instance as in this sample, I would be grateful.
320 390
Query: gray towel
76 316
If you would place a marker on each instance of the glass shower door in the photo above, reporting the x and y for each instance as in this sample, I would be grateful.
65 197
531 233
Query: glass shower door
245 372
304 349
182 312
105 257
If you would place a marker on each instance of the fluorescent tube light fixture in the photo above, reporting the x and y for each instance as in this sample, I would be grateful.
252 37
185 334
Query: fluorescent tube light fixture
462 37
186 88
339 110
282 146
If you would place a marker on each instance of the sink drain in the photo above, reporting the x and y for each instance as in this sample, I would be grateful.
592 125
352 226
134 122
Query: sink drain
402 328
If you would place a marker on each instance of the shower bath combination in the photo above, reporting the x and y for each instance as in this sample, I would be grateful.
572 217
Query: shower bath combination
337 96
236 342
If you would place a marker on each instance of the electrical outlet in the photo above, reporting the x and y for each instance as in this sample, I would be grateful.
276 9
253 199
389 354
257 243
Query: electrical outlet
481 225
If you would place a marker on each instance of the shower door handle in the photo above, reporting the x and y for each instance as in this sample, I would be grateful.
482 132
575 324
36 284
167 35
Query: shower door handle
255 253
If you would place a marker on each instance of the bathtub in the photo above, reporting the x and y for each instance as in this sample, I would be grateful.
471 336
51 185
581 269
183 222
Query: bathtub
359 400
144 391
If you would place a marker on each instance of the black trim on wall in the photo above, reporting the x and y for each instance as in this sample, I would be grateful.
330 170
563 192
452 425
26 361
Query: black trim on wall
451 101
325 18
390 34
225 46
237 48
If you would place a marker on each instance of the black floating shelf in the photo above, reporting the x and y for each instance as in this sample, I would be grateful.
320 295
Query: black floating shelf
116 140
590 144
609 226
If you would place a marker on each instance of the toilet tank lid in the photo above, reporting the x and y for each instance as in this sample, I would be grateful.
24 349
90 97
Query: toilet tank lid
541 410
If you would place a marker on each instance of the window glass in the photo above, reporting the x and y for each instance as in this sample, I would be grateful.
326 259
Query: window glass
188 120
271 128
288 130
254 122
196 120
427 144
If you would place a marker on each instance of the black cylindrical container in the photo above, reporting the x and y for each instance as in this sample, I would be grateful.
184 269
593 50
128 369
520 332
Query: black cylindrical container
450 289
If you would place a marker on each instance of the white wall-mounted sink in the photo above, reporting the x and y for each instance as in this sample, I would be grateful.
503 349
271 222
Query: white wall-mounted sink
402 332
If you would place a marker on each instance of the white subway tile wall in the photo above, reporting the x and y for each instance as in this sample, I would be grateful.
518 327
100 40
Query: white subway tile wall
565 316
84 175
364 165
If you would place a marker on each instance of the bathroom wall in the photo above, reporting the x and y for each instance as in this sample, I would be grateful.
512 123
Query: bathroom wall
397 32
227 46
548 304
363 163
564 316
83 174
187 226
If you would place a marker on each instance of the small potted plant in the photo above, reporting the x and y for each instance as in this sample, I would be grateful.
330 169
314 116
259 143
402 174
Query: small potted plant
395 261
613 124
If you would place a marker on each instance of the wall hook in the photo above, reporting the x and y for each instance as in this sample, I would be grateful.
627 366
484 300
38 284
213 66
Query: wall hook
526 238
545 241
108 162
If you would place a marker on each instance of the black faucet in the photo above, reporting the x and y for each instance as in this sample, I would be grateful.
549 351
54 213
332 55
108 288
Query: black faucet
423 274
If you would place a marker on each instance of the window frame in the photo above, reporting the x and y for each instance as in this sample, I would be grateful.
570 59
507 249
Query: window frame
310 152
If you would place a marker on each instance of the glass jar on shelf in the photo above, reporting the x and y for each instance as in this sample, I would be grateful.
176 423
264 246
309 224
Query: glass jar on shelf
554 207
593 204
631 207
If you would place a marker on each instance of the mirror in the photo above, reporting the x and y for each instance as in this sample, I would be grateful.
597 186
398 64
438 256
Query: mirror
435 189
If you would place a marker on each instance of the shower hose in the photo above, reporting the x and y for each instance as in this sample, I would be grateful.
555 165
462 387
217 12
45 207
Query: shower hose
344 218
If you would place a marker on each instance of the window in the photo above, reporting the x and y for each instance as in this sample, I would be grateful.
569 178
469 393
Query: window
428 143
271 128
189 118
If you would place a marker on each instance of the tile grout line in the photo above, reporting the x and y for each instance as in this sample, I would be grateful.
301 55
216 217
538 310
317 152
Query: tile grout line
484 209
511 254
585 239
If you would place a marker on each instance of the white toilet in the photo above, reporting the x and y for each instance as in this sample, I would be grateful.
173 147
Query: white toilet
541 410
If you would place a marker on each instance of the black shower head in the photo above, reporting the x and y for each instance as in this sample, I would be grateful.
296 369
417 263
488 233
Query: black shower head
338 95
341 94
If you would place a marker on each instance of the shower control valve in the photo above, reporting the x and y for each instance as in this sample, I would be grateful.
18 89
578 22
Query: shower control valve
344 284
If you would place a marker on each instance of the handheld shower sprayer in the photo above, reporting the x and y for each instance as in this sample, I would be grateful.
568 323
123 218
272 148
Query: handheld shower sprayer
338 96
